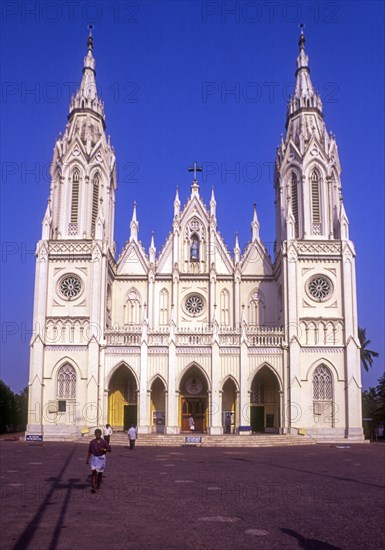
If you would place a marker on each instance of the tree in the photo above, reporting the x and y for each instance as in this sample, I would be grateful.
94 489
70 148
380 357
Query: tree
366 355
13 408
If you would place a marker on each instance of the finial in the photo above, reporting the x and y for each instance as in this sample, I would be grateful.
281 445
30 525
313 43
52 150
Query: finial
301 42
90 41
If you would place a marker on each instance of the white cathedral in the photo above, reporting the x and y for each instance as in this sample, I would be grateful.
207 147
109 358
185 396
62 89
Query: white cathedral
242 343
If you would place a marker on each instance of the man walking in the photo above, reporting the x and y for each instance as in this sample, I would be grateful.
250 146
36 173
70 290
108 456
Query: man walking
132 436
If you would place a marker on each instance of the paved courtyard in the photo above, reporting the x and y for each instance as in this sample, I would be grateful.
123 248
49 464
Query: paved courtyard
316 497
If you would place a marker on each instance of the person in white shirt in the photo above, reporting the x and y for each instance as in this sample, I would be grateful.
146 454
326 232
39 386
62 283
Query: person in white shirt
107 433
191 423
132 436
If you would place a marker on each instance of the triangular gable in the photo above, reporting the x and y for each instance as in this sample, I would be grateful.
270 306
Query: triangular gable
164 264
223 260
133 260
194 207
255 260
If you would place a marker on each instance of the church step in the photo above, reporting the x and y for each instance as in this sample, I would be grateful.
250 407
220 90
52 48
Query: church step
162 440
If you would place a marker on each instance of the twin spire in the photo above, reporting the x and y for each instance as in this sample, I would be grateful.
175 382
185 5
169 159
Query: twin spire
305 95
86 98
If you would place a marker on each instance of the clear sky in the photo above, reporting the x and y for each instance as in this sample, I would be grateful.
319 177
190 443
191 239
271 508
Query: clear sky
184 81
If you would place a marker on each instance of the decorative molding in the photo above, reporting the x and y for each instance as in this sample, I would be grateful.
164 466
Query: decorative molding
193 351
122 350
265 351
310 349
158 350
66 348
319 248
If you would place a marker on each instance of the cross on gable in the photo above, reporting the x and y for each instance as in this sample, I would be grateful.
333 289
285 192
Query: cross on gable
195 168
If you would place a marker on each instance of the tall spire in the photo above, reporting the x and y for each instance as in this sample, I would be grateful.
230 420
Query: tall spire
134 226
213 204
255 225
304 94
176 203
86 98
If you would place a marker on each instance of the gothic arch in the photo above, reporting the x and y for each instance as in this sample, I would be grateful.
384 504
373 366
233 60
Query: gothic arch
293 168
270 367
317 363
62 361
132 307
164 299
232 379
66 381
193 364
224 304
256 307
115 369
154 379
265 399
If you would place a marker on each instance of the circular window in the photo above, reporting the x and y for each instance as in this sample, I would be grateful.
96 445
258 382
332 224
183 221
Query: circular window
320 287
70 287
194 304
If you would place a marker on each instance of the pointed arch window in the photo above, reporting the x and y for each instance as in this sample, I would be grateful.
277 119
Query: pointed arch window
66 382
323 394
294 201
315 201
194 248
73 228
133 308
163 307
225 308
95 203
256 308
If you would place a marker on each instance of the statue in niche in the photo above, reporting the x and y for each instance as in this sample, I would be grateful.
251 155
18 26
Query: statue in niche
194 250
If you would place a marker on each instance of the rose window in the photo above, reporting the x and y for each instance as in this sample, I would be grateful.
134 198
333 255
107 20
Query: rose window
194 304
70 287
320 288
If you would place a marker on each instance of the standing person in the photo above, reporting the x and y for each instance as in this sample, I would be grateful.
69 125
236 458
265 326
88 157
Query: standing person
107 433
97 450
132 436
191 423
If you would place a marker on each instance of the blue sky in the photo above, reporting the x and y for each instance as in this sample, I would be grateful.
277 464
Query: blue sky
185 81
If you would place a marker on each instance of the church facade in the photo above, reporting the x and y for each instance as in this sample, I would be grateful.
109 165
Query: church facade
239 341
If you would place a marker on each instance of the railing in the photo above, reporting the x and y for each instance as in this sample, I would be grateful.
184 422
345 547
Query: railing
264 336
257 336
126 337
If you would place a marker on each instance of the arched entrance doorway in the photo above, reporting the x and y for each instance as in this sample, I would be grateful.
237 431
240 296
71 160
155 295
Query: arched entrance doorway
194 399
158 405
122 399
229 397
264 402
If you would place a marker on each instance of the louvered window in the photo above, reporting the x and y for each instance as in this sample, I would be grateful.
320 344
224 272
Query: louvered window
294 201
95 204
315 197
75 197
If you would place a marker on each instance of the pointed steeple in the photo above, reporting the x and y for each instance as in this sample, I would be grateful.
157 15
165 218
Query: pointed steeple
237 250
134 226
290 223
47 222
305 96
255 225
86 98
152 251
344 223
176 203
213 204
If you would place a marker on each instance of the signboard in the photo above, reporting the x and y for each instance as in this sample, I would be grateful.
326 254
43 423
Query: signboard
34 438
193 439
